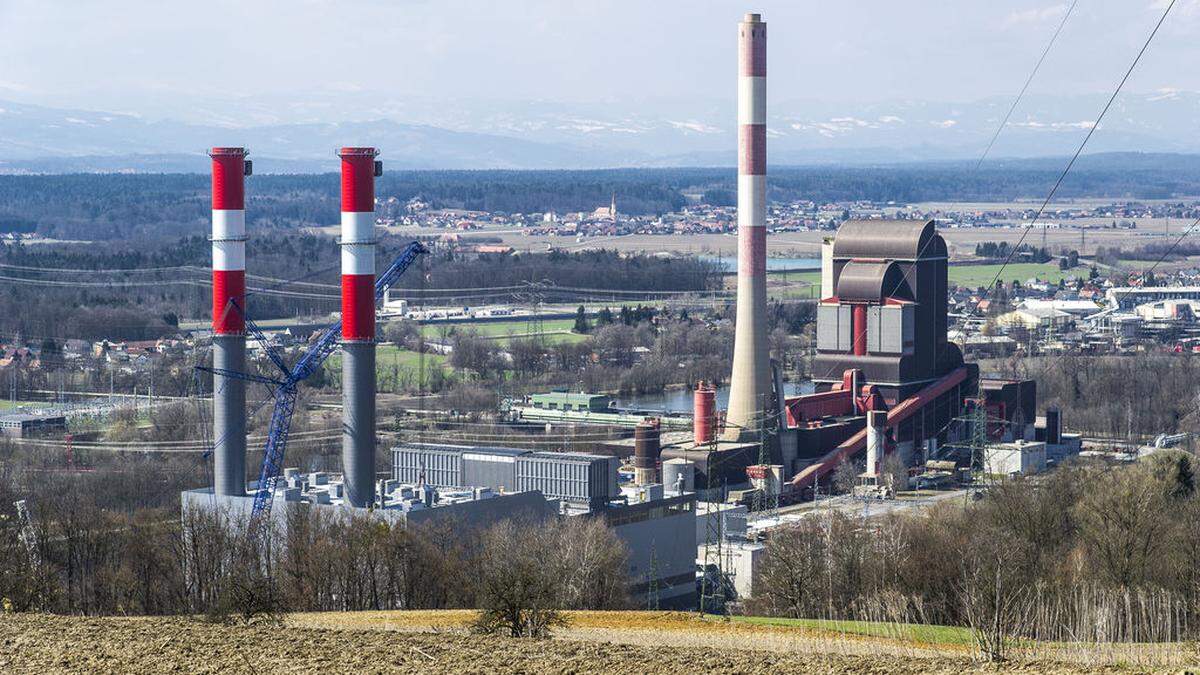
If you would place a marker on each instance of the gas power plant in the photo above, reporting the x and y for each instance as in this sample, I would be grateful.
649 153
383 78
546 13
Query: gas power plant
889 388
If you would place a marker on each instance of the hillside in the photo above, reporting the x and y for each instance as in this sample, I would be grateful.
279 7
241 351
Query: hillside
434 642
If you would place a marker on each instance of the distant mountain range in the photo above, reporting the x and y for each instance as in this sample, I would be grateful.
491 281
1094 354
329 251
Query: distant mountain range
416 134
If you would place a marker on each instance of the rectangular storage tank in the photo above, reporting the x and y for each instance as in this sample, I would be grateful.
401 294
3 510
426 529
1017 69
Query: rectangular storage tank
440 464
494 468
573 477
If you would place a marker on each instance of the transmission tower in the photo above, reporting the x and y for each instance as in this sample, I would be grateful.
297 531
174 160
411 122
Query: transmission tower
714 536
765 505
27 534
533 295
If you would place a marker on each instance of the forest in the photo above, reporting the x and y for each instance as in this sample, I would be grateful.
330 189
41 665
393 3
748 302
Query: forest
100 206
116 291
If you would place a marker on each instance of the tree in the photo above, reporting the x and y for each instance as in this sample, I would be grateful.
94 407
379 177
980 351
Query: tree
527 575
474 353
581 321
845 477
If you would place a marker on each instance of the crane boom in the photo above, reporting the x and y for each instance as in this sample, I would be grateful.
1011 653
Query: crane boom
287 389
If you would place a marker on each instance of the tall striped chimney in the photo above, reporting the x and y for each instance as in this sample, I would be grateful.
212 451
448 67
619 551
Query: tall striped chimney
750 383
359 169
229 169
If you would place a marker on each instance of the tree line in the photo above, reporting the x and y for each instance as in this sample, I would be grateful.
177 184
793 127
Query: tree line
1087 553
86 559
115 206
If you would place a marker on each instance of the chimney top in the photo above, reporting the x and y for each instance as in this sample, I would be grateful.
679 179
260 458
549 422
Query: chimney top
752 18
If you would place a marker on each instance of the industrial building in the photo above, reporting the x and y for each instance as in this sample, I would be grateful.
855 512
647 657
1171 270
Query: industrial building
26 424
572 477
403 504
657 526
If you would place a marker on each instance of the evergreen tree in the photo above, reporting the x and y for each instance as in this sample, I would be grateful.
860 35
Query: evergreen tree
581 321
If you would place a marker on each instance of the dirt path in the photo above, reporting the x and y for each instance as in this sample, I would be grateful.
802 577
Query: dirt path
41 644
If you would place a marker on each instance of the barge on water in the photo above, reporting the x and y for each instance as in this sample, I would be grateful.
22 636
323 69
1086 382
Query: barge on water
582 408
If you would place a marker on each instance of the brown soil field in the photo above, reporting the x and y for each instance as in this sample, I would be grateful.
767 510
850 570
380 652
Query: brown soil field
434 642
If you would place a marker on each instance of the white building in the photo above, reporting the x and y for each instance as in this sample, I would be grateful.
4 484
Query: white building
1019 457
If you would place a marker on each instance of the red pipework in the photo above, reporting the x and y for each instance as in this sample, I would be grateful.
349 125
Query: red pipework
858 329
895 417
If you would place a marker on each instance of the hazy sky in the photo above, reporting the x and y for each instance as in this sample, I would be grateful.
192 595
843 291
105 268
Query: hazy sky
135 54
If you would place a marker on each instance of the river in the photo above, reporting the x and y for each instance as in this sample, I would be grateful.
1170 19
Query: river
730 263
680 400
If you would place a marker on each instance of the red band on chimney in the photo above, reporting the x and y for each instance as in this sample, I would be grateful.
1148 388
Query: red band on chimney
358 179
752 150
228 179
752 50
358 306
752 251
228 285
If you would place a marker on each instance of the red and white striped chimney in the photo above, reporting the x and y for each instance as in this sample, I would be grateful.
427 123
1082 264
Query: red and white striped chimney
750 384
359 170
229 169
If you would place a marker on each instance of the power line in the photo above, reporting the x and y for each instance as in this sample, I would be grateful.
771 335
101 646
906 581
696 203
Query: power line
1075 157
1028 80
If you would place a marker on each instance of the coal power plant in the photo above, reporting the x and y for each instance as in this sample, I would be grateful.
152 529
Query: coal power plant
692 497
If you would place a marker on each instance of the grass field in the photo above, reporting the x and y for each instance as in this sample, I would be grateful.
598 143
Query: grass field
389 356
5 404
553 330
908 632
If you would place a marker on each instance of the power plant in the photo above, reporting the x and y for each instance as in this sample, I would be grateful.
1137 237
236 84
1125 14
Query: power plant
889 388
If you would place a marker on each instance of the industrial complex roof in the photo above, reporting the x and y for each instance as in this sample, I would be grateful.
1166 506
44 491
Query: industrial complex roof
889 239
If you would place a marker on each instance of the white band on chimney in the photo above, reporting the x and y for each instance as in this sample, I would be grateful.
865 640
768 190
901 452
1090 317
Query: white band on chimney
358 259
229 256
358 227
754 189
228 224
752 94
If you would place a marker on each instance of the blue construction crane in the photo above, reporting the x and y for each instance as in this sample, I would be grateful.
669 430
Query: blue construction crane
287 387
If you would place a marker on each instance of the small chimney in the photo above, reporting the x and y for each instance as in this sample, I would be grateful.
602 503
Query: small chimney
704 413
647 449
876 424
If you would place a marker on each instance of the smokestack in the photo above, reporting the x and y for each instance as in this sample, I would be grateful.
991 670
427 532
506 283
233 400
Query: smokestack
229 169
359 169
647 450
750 383
827 289
876 421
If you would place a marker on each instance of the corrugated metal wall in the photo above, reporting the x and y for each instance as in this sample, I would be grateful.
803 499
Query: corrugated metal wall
442 468
489 470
